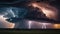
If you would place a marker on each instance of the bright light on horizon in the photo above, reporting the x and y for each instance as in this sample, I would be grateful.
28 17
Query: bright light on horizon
5 23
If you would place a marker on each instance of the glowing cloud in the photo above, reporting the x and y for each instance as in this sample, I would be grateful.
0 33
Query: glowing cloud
49 11
4 23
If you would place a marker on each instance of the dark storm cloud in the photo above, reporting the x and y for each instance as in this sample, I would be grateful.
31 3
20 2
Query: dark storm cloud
9 12
4 11
11 1
17 1
12 11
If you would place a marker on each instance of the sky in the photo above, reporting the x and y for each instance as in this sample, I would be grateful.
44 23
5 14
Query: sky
18 9
9 12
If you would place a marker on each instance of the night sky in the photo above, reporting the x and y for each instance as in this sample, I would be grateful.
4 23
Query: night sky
18 12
